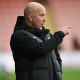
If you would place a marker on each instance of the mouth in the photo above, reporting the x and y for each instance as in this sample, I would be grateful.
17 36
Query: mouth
42 24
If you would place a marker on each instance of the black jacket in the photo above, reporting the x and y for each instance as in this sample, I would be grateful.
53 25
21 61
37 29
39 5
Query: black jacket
33 59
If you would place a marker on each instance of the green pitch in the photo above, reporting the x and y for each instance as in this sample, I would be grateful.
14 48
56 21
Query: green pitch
71 74
68 74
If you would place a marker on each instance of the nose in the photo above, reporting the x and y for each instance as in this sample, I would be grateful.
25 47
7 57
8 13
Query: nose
44 18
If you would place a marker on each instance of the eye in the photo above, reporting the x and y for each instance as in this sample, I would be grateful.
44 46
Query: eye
42 15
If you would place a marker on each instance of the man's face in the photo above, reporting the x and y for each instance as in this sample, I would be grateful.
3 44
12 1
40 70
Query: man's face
39 17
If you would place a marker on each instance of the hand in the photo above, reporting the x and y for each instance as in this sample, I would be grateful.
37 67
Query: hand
66 30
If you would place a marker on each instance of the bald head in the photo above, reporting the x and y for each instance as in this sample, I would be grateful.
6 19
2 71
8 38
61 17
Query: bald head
34 14
32 7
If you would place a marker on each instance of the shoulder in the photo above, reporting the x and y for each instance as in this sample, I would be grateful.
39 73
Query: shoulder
19 35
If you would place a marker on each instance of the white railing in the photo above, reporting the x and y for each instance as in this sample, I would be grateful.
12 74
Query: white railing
69 59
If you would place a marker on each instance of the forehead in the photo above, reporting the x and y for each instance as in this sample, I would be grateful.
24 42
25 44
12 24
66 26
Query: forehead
35 8
40 10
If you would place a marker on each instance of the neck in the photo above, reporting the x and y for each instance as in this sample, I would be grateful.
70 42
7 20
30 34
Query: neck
28 23
40 28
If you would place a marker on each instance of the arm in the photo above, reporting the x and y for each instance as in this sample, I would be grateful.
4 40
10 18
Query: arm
26 44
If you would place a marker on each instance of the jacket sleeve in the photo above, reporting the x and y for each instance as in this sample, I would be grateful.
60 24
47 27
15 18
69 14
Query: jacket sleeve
23 42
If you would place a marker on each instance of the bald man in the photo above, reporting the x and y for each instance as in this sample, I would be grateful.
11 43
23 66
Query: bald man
34 47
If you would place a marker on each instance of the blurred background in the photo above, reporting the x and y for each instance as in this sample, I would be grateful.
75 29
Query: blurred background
60 13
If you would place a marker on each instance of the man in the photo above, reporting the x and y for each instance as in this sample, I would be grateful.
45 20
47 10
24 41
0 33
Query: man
34 47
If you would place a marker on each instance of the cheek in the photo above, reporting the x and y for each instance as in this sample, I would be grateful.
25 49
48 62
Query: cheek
40 20
37 19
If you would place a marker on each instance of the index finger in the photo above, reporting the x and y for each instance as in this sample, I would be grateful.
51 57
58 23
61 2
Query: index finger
69 27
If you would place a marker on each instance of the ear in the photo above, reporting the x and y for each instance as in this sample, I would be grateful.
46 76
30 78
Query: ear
30 17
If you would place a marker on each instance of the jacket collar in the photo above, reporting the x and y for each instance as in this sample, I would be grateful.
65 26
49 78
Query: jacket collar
20 24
